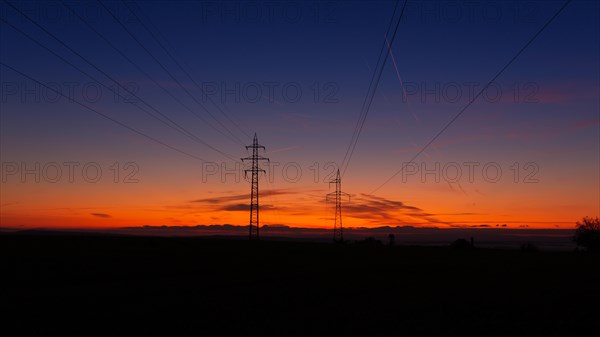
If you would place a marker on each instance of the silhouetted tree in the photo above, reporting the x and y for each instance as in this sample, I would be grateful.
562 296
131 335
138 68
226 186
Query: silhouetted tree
392 239
587 233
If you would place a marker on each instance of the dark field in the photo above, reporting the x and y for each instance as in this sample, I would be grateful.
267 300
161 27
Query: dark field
108 286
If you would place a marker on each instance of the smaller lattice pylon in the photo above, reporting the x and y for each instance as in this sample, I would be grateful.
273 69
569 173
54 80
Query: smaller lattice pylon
338 229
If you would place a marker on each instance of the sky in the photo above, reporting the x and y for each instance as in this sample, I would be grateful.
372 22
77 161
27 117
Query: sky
120 114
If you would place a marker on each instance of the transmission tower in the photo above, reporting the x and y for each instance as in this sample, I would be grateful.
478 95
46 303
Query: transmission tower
338 231
254 170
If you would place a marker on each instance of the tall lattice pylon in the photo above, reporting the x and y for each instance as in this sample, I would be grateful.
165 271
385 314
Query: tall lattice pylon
254 171
338 229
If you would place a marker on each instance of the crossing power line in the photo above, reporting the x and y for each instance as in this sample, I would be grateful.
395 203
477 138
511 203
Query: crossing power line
169 122
145 73
130 128
121 24
183 69
379 67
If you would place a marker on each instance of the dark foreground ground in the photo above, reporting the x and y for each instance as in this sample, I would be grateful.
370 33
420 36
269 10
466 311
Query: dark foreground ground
111 286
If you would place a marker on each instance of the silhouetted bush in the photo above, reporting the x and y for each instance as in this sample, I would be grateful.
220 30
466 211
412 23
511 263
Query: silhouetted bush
529 247
461 244
587 234
370 241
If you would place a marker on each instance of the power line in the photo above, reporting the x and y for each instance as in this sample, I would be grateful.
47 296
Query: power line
178 127
103 115
169 44
182 69
170 74
185 132
371 93
370 85
188 133
232 137
437 135
372 89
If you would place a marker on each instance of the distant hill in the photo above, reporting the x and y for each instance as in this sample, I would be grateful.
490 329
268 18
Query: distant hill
489 237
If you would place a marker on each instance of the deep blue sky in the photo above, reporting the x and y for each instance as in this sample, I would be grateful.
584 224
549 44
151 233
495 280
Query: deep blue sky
335 46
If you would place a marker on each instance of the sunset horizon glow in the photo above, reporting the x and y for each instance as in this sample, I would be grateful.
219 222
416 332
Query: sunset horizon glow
524 154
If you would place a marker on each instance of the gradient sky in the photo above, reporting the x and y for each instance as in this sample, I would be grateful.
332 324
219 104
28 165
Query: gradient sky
544 124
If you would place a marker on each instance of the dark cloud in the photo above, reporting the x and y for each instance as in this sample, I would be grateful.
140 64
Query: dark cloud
367 206
238 197
419 214
376 201
218 200
101 215
243 207
465 213
373 209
